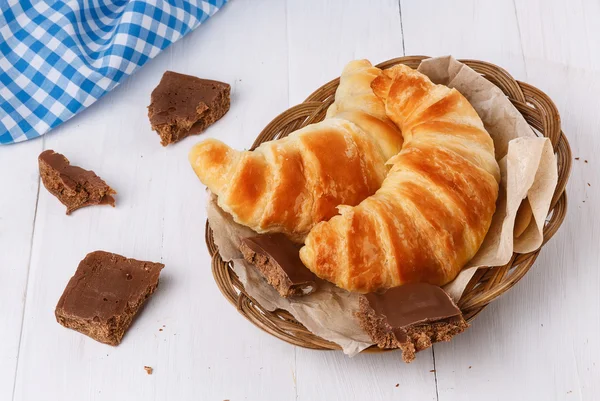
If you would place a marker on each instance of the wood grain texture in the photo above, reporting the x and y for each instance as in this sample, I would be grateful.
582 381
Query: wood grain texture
539 341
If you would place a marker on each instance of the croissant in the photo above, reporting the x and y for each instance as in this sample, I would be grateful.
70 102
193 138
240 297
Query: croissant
289 185
435 205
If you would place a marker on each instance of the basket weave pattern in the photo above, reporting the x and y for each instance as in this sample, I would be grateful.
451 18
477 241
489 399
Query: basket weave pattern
487 284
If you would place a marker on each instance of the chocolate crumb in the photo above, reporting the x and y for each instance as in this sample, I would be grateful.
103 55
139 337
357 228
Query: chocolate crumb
589 184
397 384
160 329
585 161
148 369
432 371
469 367
577 158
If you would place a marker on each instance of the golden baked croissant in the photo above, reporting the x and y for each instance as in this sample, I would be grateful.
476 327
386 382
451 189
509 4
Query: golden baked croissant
434 207
289 185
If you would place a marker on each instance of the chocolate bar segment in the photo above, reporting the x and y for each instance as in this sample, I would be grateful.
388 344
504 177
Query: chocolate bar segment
183 105
73 186
105 294
277 258
410 317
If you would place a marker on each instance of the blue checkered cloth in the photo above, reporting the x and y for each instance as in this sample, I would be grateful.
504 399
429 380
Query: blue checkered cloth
59 57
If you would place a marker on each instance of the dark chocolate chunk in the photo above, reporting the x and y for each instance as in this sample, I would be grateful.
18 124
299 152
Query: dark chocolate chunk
105 294
410 317
277 258
183 105
72 185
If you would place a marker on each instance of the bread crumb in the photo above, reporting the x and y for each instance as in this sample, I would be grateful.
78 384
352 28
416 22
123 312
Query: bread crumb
432 371
148 369
159 329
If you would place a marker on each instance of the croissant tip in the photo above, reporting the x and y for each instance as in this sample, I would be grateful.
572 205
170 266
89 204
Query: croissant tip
205 146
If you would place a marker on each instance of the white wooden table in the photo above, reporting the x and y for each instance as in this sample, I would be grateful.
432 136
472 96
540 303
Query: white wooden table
538 342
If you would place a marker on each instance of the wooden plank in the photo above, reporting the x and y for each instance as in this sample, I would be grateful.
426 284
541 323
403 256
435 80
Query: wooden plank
18 197
566 293
323 36
205 349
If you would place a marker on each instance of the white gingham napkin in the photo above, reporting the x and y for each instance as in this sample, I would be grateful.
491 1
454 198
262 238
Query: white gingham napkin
59 57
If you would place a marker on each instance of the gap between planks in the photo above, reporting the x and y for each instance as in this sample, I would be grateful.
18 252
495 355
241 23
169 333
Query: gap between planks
514 3
437 395
401 26
37 199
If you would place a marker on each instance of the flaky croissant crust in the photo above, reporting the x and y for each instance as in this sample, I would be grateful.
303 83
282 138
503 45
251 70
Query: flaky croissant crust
435 205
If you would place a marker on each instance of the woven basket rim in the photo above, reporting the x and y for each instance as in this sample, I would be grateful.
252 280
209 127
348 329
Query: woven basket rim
487 284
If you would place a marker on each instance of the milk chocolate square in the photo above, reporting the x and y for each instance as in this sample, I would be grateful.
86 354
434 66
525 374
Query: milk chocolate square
183 105
73 186
105 294
411 317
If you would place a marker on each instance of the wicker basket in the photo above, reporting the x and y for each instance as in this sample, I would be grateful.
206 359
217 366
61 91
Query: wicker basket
487 284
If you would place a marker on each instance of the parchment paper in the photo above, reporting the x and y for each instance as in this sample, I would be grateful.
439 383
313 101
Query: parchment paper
528 168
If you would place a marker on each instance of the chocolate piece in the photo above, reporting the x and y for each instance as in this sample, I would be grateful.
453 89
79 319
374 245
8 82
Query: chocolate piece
277 258
105 294
72 185
183 105
410 317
